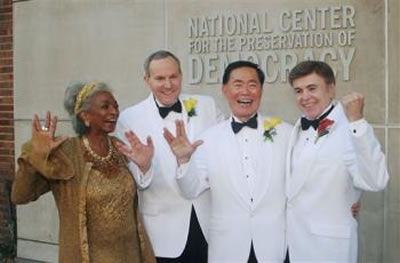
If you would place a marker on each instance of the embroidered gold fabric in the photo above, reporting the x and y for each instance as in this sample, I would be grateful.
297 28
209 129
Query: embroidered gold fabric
112 233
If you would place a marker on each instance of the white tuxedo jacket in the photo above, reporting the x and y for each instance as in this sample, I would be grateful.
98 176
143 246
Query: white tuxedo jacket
166 213
216 167
320 226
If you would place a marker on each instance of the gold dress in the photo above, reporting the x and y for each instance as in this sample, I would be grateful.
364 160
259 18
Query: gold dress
112 233
99 221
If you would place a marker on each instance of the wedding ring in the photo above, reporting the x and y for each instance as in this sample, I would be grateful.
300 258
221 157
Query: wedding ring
44 128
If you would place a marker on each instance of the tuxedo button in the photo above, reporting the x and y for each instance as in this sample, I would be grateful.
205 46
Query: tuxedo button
246 158
251 199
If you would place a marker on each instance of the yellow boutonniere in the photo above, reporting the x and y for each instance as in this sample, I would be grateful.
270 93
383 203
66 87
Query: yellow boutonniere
269 128
190 105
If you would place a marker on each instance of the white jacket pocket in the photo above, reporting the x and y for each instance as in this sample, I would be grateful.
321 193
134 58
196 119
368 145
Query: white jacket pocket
334 231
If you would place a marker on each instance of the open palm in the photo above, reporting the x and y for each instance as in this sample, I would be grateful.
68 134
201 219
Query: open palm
141 154
180 144
43 137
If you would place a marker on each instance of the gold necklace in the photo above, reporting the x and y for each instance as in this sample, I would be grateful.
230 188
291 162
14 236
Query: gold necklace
95 155
109 165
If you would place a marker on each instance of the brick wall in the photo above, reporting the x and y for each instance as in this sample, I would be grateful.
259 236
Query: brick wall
7 211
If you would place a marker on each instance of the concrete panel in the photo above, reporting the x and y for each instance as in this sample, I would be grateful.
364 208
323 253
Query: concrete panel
40 252
371 221
57 42
392 219
199 28
394 63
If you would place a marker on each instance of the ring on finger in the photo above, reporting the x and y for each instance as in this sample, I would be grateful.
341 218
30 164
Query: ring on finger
44 128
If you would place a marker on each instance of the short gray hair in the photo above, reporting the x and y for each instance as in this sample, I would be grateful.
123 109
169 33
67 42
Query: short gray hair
160 54
70 97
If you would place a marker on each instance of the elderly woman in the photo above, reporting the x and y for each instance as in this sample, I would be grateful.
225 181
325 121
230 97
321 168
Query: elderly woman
93 189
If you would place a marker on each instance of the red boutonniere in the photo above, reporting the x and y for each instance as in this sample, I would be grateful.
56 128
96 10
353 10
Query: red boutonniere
323 128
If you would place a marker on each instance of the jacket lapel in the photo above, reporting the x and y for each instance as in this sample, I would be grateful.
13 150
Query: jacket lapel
295 180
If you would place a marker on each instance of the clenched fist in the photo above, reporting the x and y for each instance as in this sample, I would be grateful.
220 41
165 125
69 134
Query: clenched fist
353 105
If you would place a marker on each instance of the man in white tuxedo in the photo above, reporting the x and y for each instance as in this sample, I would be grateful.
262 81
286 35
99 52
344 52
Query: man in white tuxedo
333 154
241 163
174 224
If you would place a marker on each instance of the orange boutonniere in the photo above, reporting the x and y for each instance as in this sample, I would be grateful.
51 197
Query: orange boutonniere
323 128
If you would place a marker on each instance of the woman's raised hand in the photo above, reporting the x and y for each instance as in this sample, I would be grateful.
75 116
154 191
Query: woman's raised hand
43 139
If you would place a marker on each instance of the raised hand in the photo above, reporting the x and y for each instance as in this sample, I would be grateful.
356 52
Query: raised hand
141 154
353 105
43 140
180 145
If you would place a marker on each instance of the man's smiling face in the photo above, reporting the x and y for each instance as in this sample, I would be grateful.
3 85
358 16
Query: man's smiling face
243 92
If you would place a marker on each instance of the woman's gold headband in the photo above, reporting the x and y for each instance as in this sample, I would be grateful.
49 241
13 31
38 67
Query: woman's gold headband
82 95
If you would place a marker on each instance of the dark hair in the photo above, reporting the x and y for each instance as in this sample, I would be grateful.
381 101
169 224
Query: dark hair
307 67
241 64
160 54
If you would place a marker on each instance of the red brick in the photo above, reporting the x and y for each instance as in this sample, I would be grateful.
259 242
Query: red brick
6 9
7 162
6 69
6 77
6 100
7 173
6 92
6 39
7 3
6 54
7 137
7 166
6 85
6 61
6 18
6 107
6 46
5 30
7 129
6 144
9 151
6 115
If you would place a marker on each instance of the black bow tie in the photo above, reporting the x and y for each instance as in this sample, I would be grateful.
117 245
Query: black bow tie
306 123
251 123
164 111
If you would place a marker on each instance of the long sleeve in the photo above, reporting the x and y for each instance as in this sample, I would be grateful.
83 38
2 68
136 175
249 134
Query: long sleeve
36 170
192 177
366 161
28 184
